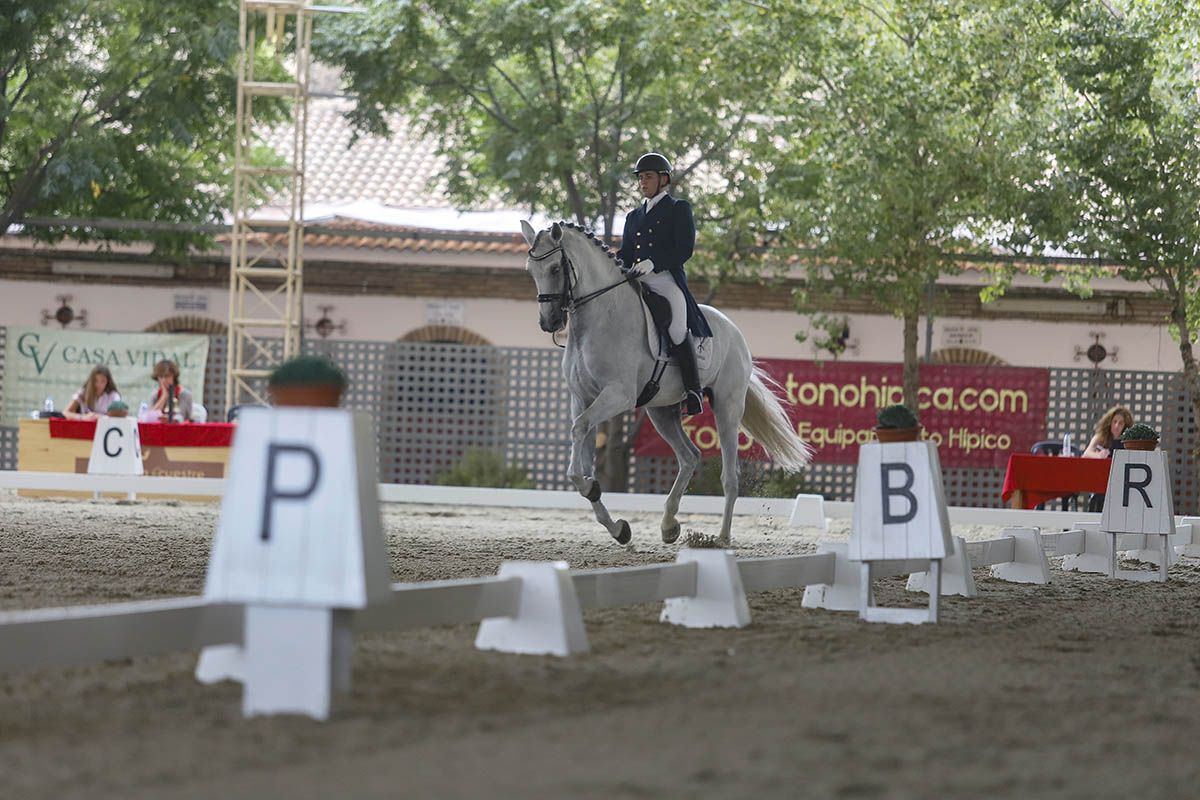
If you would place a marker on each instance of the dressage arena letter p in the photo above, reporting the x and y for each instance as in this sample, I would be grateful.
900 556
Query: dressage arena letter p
273 492
300 521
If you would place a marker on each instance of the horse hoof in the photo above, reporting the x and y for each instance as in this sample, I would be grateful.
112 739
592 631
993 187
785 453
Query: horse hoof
671 535
593 494
623 534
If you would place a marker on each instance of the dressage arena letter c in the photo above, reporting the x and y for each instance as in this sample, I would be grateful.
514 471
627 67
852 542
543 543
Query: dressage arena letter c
108 433
904 491
1140 487
273 493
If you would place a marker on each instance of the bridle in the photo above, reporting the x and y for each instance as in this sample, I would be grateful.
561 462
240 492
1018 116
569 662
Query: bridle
566 299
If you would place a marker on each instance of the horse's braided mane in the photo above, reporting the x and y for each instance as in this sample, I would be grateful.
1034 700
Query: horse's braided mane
591 237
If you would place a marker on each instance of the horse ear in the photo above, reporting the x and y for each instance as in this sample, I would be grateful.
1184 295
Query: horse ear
528 232
556 232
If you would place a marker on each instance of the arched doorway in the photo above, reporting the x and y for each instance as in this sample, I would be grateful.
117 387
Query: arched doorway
443 334
189 323
966 356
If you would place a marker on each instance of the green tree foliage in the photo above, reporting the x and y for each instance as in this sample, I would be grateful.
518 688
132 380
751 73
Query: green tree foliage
1124 180
903 126
547 103
119 109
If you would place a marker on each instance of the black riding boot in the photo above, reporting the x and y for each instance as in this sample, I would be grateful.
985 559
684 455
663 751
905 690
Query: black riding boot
686 355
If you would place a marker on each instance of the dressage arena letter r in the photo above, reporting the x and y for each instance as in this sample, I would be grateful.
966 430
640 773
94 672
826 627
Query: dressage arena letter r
1141 487
904 491
108 433
273 494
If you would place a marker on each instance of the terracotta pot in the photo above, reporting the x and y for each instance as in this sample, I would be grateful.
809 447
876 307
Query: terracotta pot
119 413
898 434
313 395
1140 444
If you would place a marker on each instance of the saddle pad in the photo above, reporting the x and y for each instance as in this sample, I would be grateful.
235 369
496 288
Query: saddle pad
658 349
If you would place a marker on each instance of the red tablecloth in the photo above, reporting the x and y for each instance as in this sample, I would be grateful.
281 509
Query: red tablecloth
154 434
1042 478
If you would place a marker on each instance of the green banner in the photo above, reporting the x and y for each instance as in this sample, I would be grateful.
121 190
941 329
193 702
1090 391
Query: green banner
44 362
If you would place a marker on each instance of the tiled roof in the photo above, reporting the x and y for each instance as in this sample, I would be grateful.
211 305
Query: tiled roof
402 171
402 239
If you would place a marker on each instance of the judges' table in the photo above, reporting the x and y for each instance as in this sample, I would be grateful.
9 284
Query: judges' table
1033 480
192 450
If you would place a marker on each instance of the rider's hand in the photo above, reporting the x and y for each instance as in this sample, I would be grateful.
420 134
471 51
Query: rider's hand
641 268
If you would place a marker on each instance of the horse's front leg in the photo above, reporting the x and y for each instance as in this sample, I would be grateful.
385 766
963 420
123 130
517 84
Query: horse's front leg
609 403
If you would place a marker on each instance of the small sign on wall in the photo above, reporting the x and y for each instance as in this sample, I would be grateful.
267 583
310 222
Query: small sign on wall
962 336
191 302
444 312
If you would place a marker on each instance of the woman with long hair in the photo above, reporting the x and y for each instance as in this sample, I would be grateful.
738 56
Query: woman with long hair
98 393
1108 433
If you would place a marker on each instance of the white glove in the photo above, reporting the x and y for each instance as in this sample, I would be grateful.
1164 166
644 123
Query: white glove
644 267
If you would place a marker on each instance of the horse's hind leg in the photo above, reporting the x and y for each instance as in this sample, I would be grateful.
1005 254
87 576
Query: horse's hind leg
728 412
667 423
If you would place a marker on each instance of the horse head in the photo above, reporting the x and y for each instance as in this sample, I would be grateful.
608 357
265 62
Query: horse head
566 264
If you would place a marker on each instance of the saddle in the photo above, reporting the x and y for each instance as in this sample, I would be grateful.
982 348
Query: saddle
658 341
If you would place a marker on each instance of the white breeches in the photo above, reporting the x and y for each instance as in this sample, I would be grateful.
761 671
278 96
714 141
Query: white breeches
663 285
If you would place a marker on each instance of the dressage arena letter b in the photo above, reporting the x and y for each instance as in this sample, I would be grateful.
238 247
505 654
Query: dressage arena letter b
905 491
110 432
1140 487
273 493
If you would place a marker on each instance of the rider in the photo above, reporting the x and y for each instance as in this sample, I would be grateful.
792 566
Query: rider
659 237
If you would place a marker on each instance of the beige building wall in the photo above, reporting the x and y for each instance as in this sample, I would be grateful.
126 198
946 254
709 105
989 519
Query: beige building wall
513 323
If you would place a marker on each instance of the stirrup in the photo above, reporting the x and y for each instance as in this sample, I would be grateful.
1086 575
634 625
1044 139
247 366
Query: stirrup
693 403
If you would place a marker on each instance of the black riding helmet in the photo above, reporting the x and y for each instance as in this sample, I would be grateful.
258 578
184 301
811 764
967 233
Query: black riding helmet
653 162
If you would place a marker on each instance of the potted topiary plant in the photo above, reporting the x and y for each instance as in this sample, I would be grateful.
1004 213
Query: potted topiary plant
1140 437
118 408
307 381
897 424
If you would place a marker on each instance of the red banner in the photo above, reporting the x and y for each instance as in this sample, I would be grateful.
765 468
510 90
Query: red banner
976 415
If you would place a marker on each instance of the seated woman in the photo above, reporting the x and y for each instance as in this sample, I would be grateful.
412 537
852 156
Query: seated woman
171 400
1108 433
98 393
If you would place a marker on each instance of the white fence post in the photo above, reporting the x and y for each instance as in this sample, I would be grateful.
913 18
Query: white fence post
548 620
720 599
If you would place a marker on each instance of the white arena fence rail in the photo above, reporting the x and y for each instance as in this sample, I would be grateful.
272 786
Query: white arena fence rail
74 636
431 403
810 510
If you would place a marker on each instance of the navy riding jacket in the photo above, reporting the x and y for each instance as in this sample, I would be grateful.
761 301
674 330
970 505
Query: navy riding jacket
667 236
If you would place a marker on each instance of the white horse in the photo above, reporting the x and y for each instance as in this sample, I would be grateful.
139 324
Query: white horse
608 361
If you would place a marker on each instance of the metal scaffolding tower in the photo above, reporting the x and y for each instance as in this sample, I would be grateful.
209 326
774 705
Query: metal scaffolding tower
266 264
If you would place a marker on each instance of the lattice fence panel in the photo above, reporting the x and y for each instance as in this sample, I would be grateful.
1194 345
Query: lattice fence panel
3 344
8 447
214 377
448 399
537 431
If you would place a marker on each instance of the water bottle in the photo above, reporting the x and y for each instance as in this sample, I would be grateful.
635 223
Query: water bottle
48 406
1066 448
142 409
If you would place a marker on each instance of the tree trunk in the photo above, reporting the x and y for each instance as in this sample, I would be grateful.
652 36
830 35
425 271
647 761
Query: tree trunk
612 458
911 366
1191 377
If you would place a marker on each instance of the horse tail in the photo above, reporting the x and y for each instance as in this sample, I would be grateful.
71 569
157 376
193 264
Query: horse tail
766 421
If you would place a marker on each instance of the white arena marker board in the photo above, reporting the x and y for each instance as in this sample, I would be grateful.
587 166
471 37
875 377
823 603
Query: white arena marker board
1138 500
300 519
299 540
899 515
116 447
